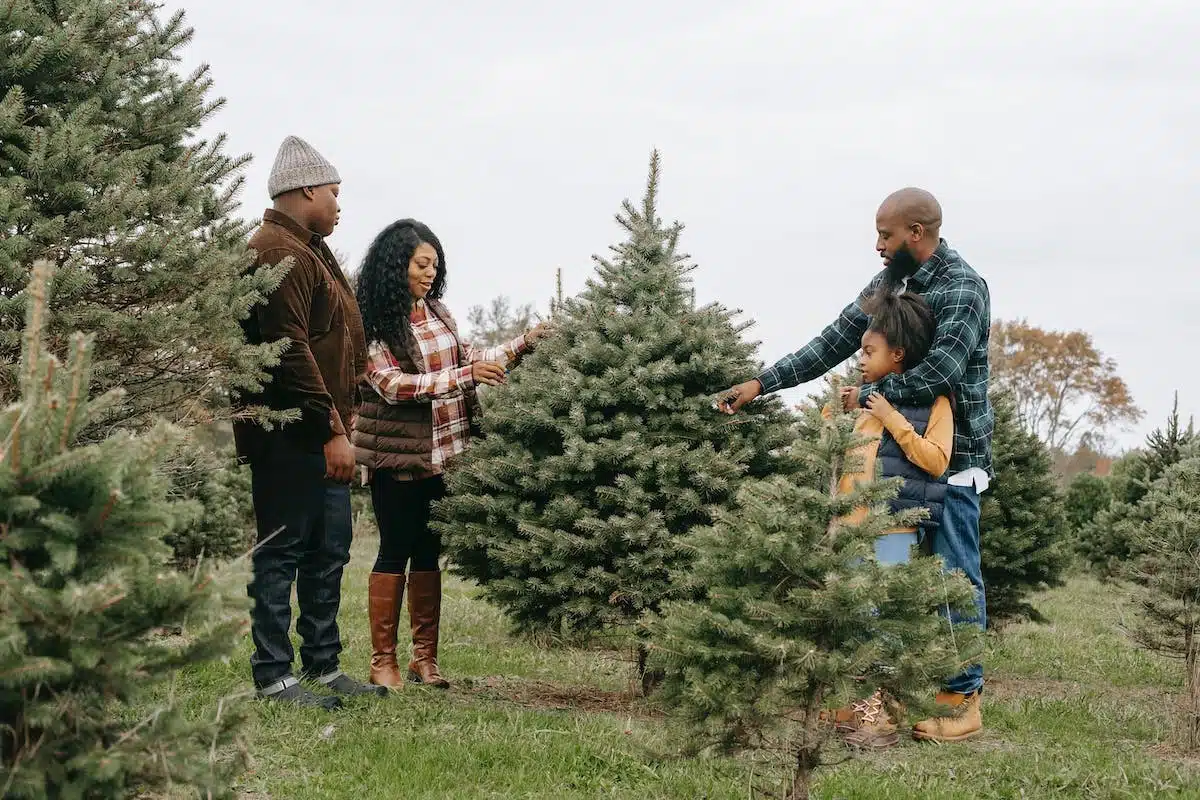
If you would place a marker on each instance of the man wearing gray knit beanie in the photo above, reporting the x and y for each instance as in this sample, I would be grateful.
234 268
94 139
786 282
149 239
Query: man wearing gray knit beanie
301 471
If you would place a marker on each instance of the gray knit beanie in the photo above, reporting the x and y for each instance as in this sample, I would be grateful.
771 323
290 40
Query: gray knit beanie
298 165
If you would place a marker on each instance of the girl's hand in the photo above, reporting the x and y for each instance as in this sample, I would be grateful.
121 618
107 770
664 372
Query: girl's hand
849 398
878 406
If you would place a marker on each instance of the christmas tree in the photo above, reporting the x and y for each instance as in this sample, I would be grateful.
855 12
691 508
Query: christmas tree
799 617
86 596
604 448
1170 444
102 173
1169 571
1022 520
215 512
1087 495
1105 542
1112 542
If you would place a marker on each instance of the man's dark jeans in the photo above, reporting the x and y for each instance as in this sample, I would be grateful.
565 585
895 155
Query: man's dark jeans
304 531
957 542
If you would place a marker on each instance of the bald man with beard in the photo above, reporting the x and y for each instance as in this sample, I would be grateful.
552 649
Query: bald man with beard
917 259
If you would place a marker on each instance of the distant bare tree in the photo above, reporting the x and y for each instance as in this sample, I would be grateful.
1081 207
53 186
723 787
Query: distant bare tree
499 322
350 269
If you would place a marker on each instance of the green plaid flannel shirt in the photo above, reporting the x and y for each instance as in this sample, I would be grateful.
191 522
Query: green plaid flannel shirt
957 363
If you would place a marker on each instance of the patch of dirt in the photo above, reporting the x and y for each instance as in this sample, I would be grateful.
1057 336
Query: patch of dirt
543 695
1020 688
1051 689
1173 751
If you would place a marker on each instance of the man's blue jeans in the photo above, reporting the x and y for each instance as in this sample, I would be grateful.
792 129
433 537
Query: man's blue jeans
957 542
310 518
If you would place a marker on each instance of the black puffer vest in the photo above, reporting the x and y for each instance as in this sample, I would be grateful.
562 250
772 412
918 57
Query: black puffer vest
919 490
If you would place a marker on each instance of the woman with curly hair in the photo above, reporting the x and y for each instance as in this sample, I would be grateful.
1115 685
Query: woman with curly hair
419 410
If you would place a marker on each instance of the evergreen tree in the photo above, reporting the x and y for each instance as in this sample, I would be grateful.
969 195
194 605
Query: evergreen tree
215 512
84 596
1169 570
1022 519
1169 445
1112 542
1087 495
799 617
101 174
556 302
1105 541
604 447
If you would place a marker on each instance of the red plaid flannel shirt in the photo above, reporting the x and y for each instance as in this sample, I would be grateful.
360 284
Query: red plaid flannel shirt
442 381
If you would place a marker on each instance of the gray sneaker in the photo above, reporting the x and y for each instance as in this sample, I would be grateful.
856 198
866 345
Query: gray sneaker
342 684
290 690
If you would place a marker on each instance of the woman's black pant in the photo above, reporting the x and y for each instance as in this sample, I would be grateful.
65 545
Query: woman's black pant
402 510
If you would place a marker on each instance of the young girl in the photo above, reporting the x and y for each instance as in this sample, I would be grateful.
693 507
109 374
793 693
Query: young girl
910 442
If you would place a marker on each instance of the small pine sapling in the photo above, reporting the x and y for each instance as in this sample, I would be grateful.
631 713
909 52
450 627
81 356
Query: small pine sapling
1169 576
799 617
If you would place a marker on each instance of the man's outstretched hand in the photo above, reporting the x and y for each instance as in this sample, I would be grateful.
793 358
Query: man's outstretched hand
732 401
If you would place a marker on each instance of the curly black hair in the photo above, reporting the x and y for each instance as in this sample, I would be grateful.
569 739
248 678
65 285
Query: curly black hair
904 321
383 296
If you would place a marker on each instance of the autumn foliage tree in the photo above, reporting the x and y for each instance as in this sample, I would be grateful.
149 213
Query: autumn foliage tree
1065 389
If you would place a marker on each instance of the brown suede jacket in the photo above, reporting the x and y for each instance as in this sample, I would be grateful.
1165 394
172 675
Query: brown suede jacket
314 307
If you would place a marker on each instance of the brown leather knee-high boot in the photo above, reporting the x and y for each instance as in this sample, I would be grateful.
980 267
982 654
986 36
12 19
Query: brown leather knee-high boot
425 613
386 596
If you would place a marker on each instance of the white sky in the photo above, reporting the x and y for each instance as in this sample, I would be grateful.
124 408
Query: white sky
1061 138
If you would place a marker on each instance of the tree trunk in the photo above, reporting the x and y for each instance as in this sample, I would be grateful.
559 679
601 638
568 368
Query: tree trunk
808 753
1193 690
800 785
650 679
802 775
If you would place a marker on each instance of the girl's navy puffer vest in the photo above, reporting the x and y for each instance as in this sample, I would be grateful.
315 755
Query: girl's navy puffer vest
919 490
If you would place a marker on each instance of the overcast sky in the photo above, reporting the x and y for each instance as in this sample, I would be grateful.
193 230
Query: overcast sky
1061 138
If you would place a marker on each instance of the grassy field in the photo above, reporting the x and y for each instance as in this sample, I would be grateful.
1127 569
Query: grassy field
1071 711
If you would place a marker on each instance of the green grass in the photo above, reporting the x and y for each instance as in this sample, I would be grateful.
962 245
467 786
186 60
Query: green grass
1072 711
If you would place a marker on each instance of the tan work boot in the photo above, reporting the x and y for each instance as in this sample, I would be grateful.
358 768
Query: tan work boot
963 725
866 724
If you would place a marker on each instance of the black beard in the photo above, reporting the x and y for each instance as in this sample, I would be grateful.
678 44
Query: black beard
902 265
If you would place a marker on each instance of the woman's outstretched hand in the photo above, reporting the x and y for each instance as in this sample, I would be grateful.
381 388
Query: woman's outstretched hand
489 373
542 330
